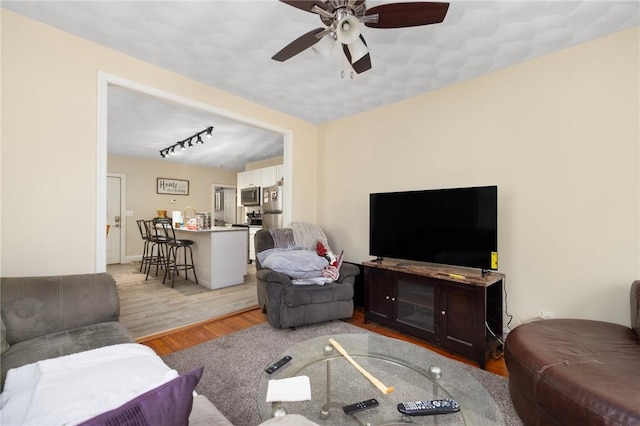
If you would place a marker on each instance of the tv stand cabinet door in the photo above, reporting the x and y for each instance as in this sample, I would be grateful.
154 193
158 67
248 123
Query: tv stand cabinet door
461 319
415 305
378 295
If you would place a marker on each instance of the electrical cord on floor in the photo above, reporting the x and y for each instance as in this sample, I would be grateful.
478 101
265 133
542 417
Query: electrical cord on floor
499 351
506 304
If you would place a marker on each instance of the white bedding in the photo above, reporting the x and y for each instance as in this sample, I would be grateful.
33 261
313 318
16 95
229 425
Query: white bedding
73 388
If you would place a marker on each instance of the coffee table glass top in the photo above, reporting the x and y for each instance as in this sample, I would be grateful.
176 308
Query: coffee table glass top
414 372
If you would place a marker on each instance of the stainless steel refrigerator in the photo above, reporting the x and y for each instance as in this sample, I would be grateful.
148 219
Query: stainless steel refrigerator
272 205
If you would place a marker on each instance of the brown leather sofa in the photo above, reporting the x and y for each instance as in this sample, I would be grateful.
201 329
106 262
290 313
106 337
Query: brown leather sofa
576 372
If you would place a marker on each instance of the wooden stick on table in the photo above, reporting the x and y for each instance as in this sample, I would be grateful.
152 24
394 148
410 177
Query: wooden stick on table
385 390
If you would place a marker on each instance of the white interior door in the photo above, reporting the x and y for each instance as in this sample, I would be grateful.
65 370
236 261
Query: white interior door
230 205
114 220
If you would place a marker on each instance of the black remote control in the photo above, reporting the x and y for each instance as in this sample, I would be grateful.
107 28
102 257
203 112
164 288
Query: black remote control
426 408
272 368
360 406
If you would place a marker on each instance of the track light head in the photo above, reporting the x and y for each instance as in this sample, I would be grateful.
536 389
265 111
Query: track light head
196 138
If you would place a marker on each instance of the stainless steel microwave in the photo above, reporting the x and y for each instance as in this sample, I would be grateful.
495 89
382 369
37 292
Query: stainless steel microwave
250 196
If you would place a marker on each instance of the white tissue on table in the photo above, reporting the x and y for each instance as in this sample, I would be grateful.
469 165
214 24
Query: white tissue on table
289 390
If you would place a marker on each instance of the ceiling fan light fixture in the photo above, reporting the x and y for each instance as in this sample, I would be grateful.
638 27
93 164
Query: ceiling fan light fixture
324 47
348 29
358 50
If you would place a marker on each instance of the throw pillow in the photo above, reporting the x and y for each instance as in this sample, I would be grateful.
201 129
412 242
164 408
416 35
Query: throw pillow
167 405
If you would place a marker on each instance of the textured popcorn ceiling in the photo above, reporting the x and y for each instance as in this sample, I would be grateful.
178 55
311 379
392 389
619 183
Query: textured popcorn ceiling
228 45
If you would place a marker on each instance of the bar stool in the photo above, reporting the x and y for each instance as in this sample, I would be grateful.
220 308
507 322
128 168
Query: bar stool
145 238
175 245
158 251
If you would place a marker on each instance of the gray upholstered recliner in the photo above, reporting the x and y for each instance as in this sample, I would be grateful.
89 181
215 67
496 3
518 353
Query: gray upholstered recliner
288 305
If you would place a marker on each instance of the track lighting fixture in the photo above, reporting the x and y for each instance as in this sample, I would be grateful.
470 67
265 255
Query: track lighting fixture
183 144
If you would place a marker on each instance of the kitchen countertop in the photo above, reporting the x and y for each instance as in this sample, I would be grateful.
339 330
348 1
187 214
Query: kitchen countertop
213 229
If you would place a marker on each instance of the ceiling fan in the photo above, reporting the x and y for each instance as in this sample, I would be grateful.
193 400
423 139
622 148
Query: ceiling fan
344 18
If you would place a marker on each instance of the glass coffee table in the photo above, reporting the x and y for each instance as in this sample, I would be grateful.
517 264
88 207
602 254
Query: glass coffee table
414 372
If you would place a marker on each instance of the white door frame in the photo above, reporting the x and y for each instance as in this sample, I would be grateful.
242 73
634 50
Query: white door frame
104 80
123 209
219 185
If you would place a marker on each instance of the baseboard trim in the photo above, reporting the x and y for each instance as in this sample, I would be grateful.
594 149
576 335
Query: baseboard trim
160 334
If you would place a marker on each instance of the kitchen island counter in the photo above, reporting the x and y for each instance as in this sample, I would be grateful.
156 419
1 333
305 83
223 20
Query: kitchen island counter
212 229
219 254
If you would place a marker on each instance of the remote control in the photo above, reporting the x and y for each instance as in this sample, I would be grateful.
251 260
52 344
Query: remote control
360 406
272 368
426 408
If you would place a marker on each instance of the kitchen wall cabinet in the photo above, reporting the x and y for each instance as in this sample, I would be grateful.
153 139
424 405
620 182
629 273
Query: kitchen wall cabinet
458 314
267 176
249 178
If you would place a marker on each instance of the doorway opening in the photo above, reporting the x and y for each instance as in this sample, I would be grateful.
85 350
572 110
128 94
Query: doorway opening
104 81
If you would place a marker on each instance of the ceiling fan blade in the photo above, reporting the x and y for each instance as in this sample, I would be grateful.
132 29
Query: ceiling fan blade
298 45
400 15
361 65
306 5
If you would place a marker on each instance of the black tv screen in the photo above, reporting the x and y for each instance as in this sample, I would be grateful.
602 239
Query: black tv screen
456 226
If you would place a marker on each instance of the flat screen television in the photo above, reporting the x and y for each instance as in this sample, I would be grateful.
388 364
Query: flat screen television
457 226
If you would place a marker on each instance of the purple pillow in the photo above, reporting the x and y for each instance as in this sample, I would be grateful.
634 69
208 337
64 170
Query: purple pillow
167 405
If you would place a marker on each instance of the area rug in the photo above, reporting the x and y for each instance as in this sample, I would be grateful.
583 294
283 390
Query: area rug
234 363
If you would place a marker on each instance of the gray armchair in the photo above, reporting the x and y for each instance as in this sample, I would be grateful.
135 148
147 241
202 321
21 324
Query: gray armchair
288 305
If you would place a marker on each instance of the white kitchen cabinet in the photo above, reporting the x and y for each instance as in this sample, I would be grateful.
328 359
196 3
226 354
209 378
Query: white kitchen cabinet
249 178
252 248
279 172
268 176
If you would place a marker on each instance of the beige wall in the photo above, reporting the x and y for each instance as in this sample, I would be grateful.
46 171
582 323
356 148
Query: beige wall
558 135
266 163
143 201
49 166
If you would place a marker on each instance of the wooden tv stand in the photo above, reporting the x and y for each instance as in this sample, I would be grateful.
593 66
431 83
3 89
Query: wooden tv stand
450 307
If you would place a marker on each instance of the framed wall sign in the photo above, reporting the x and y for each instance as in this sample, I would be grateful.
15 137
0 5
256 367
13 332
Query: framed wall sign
172 186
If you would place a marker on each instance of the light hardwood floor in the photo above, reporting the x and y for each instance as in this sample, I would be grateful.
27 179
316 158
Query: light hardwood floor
150 308
200 333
